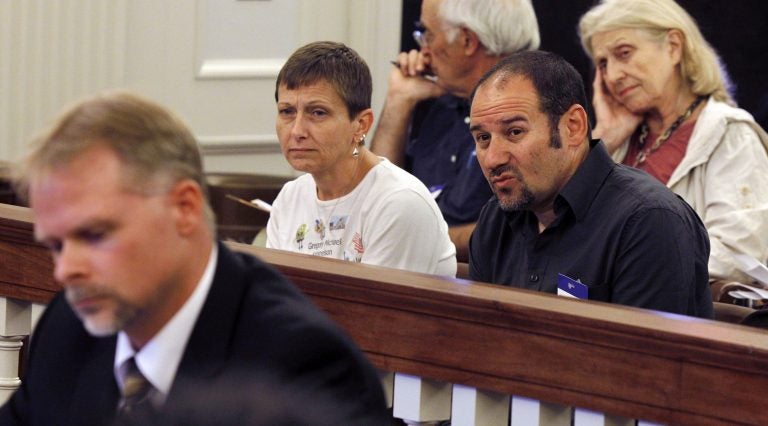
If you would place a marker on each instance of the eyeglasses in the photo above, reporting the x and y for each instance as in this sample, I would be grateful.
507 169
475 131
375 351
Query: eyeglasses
422 35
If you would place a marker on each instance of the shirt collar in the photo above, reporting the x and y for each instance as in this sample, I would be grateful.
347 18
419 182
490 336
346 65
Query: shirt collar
159 359
585 184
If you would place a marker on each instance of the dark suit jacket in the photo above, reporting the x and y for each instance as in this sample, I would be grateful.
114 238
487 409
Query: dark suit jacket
254 323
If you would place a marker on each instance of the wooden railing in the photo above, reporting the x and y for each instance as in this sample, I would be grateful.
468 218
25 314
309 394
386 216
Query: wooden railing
26 271
26 284
600 358
631 362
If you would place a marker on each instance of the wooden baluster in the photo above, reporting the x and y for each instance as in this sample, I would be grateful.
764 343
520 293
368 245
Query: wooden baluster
421 401
583 417
387 379
36 310
472 407
15 324
531 412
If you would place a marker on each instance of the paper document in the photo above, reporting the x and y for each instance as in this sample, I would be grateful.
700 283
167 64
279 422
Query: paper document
742 291
752 267
255 203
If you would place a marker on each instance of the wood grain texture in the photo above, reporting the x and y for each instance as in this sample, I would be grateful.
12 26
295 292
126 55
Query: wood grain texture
618 360
26 270
632 362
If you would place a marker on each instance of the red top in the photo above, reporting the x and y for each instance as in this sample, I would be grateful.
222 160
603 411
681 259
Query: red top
662 162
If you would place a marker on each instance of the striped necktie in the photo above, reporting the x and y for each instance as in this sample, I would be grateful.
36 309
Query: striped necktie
136 392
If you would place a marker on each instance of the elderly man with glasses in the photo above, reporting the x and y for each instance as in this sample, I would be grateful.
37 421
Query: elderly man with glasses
459 41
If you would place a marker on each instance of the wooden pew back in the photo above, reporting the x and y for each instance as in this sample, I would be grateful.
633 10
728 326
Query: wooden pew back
618 360
613 359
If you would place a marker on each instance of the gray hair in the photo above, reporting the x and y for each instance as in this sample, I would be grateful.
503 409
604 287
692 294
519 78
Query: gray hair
700 67
156 147
503 26
334 63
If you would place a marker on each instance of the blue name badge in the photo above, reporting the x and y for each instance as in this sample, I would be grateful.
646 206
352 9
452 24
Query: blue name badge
569 287
436 190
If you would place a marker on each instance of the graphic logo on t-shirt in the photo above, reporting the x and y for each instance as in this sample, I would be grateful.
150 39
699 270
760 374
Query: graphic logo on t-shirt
301 232
357 241
320 227
338 222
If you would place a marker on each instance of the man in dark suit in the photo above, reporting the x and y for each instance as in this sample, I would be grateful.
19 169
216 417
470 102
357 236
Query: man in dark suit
153 308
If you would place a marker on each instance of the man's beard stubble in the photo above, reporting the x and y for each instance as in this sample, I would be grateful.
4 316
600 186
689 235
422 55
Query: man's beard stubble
504 196
94 322
527 197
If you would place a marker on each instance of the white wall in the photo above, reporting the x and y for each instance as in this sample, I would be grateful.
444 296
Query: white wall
212 61
50 53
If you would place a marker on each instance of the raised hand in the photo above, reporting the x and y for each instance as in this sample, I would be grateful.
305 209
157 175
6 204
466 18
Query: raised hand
615 123
409 84
411 81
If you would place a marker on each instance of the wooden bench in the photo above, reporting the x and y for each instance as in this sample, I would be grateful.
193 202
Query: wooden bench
234 220
534 358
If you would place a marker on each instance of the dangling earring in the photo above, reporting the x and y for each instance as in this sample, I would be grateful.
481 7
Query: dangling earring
355 153
362 139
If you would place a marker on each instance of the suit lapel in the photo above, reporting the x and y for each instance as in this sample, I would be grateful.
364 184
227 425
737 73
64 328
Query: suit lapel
96 394
209 344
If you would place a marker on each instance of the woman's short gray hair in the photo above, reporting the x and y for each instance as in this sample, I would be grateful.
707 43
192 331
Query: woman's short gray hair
503 26
700 67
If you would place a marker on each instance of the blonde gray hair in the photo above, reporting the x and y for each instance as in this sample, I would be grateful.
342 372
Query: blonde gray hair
156 147
700 67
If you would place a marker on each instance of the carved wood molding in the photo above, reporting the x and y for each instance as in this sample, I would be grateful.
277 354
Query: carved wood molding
613 359
26 270
618 360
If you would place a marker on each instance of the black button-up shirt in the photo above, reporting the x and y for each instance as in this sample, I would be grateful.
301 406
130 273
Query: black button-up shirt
617 230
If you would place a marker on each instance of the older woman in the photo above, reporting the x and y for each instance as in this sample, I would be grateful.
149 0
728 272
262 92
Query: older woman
662 105
351 204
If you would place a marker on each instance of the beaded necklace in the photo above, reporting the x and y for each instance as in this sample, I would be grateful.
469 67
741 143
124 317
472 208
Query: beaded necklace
644 153
319 223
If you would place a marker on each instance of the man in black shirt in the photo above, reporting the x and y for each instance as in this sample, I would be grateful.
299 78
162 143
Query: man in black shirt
565 215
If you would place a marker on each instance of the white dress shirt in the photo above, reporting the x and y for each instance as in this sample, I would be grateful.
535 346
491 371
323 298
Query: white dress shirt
159 359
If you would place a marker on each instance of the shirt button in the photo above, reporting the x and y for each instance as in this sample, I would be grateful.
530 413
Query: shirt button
533 278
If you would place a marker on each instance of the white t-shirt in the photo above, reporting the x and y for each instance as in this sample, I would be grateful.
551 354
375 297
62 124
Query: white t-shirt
389 219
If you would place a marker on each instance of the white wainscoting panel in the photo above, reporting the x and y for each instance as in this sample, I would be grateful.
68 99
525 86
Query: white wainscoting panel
212 61
51 53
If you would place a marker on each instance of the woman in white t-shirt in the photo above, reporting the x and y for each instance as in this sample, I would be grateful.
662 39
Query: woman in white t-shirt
351 204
